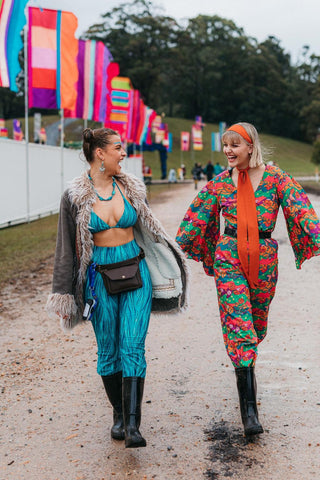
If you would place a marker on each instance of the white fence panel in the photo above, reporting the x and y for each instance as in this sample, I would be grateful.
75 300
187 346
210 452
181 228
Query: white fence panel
50 171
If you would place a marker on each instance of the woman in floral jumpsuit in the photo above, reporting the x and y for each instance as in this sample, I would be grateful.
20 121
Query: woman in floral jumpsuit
244 305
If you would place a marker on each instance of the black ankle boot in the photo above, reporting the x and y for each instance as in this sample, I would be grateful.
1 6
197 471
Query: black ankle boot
132 397
247 397
113 386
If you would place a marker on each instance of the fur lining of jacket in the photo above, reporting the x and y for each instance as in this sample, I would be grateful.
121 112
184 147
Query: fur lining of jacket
66 301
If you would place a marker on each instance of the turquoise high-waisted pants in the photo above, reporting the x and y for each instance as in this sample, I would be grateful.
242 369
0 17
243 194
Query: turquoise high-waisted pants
120 322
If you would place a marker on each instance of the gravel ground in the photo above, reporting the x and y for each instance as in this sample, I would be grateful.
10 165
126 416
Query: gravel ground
55 418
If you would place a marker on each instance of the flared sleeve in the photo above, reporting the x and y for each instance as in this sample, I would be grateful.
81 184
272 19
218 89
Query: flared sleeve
200 228
302 222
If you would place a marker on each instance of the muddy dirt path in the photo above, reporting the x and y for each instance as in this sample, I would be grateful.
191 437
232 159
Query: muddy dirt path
55 418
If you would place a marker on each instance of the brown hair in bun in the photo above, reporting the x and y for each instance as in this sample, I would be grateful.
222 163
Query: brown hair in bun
97 138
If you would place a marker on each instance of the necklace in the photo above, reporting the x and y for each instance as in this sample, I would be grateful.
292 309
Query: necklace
99 196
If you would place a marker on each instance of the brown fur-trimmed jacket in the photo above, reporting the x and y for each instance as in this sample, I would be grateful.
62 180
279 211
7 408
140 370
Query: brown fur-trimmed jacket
166 262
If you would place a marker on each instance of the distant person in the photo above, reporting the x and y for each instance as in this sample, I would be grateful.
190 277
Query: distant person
172 177
209 170
147 175
218 168
196 174
107 239
243 258
181 172
43 136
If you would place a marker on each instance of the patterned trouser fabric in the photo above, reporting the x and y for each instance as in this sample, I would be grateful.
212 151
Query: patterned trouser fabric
244 311
120 322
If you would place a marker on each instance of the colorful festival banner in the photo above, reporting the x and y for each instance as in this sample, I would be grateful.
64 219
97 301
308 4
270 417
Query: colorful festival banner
215 142
156 124
149 139
118 113
170 142
52 59
199 122
17 132
94 69
3 129
148 116
185 141
12 20
142 113
222 127
160 132
197 137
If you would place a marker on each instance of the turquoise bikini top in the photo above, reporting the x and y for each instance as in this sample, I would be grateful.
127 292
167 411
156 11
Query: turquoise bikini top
128 218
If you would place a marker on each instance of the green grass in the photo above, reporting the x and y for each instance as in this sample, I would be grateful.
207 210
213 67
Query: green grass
23 247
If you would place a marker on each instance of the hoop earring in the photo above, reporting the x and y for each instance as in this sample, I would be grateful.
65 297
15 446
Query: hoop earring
102 167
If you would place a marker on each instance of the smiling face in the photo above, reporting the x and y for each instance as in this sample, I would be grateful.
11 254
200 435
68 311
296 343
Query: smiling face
111 155
237 150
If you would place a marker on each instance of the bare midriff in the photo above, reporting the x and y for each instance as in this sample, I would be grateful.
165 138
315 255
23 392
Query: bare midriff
113 237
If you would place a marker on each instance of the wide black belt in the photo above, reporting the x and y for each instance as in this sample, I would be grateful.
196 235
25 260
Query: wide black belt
232 232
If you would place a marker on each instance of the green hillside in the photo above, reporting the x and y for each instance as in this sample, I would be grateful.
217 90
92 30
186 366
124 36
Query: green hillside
292 156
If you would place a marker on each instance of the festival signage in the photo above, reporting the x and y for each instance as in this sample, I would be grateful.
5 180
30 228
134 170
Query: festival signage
215 142
95 70
160 133
17 132
52 59
197 137
185 141
12 21
120 97
222 127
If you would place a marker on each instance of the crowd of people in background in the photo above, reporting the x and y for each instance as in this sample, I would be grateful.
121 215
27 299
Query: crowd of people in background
209 171
198 172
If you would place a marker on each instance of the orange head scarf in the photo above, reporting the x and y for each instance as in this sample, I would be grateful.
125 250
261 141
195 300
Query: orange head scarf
247 228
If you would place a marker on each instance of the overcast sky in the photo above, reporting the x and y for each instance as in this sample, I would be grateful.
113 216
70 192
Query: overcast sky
294 22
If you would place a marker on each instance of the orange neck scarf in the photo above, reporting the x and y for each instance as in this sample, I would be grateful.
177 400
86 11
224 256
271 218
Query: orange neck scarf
247 228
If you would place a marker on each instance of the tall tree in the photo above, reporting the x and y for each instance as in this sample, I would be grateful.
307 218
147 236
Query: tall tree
141 41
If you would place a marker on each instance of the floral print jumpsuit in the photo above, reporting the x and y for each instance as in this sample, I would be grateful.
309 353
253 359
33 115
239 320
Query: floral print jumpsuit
244 310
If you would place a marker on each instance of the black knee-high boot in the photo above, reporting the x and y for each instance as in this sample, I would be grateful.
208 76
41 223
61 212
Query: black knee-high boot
132 394
246 384
113 386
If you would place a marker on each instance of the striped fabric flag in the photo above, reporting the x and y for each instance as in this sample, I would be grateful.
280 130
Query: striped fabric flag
222 127
215 142
197 137
95 68
118 113
12 20
52 55
185 141
148 118
17 131
141 118
134 115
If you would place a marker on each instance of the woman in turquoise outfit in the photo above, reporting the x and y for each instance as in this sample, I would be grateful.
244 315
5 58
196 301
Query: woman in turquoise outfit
102 214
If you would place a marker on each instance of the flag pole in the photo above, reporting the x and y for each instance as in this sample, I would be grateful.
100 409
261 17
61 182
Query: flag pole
61 148
26 116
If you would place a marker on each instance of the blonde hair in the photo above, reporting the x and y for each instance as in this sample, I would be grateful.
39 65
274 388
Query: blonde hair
256 156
